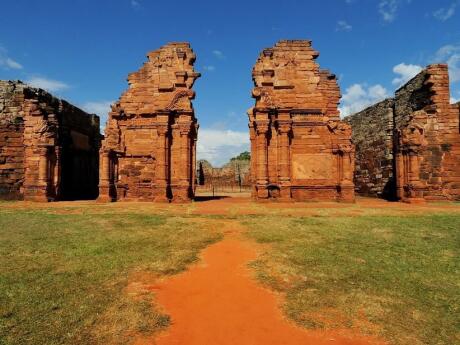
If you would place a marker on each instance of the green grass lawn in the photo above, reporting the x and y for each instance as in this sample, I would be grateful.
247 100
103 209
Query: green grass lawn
65 270
62 275
395 277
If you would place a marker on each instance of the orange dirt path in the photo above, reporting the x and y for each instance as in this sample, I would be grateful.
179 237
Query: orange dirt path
217 302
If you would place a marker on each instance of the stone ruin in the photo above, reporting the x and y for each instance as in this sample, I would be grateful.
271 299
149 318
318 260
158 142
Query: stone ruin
408 147
233 176
300 148
150 139
48 147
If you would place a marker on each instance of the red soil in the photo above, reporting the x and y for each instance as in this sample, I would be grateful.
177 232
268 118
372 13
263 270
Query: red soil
218 303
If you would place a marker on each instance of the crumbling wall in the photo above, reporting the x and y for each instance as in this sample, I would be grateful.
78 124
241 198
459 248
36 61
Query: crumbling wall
427 136
150 139
372 131
11 141
49 147
300 149
425 145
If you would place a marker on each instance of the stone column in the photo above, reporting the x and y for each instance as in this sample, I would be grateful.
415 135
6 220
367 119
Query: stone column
400 175
284 174
161 173
57 171
193 168
105 177
262 128
43 176
253 172
415 194
182 192
347 157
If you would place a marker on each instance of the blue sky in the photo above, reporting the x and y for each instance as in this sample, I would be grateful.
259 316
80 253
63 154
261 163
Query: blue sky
83 50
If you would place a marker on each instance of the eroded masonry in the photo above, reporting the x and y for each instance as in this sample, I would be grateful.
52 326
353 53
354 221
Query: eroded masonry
150 139
408 147
300 149
48 147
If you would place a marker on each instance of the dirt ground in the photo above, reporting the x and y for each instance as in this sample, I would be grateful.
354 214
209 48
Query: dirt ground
219 302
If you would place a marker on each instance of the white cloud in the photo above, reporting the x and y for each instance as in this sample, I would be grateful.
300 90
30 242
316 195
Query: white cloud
388 9
6 62
219 54
47 84
450 54
218 146
454 100
135 3
359 96
445 13
406 72
209 68
342 25
100 108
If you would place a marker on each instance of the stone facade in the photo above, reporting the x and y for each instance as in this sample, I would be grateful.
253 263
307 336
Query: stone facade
150 139
48 147
300 148
425 145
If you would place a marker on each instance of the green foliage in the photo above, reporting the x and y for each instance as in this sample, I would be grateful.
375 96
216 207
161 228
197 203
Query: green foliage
244 156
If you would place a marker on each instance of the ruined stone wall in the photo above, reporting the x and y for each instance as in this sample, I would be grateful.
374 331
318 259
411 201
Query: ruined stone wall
300 149
150 139
11 141
427 136
425 145
52 145
372 131
228 178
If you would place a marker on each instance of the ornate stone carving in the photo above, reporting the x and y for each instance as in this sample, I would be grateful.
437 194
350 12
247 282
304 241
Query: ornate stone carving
174 104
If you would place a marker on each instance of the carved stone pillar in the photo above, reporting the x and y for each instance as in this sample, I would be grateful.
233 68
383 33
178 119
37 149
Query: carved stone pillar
193 168
400 176
43 176
414 192
57 171
162 166
182 192
253 172
105 177
262 159
346 168
284 173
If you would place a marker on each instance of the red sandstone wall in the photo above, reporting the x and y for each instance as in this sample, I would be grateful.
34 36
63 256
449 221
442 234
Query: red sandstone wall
428 137
52 145
299 147
425 151
149 148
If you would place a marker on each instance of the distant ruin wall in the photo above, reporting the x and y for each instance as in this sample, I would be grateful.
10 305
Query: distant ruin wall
48 147
425 141
373 136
